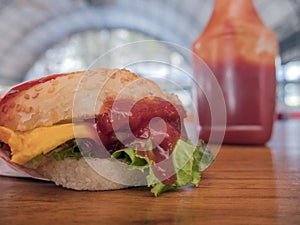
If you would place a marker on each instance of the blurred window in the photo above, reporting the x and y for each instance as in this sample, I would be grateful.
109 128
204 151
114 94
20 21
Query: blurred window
292 71
79 51
288 91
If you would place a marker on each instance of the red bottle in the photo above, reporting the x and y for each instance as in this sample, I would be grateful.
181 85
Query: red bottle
240 50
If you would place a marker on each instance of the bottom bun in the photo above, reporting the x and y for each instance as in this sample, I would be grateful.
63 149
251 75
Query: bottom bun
91 174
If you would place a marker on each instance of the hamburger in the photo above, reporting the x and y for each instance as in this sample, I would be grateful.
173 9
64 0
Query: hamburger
100 129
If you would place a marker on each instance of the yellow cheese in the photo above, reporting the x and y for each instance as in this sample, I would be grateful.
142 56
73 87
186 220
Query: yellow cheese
27 145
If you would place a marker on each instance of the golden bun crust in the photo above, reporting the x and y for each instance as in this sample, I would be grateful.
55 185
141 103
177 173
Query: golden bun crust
51 100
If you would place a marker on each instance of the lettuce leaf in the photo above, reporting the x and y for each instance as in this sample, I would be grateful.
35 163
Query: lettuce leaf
36 161
207 157
188 162
66 150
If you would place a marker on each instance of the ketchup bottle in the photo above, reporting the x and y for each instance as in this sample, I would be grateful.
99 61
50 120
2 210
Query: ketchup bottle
240 51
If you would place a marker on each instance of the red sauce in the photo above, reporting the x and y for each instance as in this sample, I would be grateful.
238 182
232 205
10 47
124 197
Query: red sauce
249 91
139 122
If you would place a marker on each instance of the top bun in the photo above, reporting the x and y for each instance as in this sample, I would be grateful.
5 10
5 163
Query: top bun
51 100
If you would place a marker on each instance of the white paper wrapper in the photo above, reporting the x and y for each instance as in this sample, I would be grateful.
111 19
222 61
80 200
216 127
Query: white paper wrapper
7 170
14 170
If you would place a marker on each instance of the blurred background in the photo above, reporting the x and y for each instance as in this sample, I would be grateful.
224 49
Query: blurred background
40 37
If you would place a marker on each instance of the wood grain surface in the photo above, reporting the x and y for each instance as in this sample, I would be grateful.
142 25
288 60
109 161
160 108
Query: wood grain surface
246 185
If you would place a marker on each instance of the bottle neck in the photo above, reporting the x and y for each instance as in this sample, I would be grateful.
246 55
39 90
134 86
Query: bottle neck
241 9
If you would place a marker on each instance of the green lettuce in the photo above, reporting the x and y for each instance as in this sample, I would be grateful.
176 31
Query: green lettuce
36 161
66 150
188 162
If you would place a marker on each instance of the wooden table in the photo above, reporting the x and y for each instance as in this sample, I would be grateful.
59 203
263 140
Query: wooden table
246 185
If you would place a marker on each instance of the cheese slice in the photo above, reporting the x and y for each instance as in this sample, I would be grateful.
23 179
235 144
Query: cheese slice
27 145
